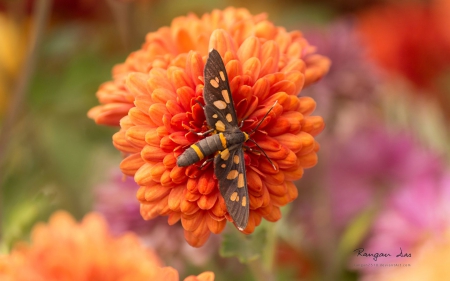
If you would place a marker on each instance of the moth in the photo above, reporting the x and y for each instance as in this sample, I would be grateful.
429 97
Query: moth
227 141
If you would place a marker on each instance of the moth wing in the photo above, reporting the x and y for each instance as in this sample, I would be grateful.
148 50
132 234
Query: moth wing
216 92
231 174
217 120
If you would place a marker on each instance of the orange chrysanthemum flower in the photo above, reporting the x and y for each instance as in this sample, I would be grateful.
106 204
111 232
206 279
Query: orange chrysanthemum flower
154 96
66 250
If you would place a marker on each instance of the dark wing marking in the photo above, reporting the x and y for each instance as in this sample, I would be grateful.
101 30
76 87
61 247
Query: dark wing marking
231 174
217 92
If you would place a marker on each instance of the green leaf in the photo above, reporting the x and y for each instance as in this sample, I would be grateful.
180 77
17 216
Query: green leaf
245 247
356 232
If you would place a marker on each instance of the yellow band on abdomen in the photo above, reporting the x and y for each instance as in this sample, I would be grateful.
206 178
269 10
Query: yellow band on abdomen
223 140
198 151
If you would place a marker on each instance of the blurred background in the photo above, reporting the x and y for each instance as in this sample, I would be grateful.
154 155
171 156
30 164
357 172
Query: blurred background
382 182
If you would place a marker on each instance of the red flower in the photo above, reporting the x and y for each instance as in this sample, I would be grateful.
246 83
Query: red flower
410 39
154 93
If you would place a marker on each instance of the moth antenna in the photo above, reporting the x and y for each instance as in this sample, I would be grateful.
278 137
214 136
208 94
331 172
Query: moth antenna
257 126
262 150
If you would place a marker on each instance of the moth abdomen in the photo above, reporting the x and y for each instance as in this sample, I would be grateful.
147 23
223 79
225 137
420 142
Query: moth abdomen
202 149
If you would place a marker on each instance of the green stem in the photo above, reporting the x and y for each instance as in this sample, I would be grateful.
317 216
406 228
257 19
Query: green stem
268 255
262 268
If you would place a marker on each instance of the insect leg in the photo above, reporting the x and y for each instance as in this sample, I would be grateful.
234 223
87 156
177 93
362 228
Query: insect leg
263 152
201 105
201 134
205 163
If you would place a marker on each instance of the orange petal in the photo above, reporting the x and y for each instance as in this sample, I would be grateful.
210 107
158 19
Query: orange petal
131 164
298 79
179 78
205 276
294 173
206 202
295 119
206 184
250 48
308 160
254 181
197 238
191 223
157 171
251 224
179 138
120 142
167 144
137 117
280 201
153 154
280 154
184 97
292 190
274 214
156 113
165 179
221 41
143 102
183 40
313 125
219 209
276 189
174 217
162 95
317 67
289 141
279 127
152 138
170 161
266 167
269 144
109 114
136 135
143 176
271 213
289 161
307 105
137 83
265 29
277 178
276 96
295 65
149 210
255 202
285 86
307 141
155 193
295 50
189 208
158 79
270 54
252 67
316 146
234 68
194 66
261 88
178 174
263 192
168 273
175 198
